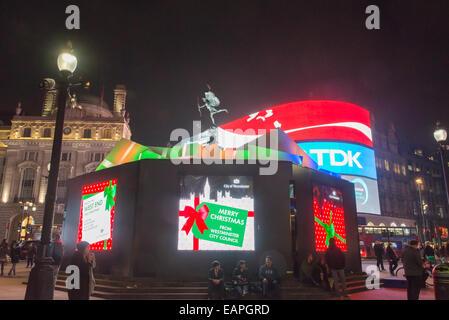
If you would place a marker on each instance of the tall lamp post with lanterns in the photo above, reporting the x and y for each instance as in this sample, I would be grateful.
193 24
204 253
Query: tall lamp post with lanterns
440 135
41 280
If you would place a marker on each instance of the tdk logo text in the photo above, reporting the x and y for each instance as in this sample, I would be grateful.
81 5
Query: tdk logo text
337 158
342 157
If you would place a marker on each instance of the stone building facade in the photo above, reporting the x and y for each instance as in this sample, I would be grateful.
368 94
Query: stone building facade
91 130
399 164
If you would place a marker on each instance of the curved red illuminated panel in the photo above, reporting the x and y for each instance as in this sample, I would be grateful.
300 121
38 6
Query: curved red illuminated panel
311 120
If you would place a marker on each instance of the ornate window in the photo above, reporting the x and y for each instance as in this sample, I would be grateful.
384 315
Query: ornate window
63 176
47 133
107 134
27 185
87 134
26 133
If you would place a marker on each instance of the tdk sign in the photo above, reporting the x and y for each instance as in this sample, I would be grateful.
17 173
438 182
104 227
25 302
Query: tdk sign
342 158
347 158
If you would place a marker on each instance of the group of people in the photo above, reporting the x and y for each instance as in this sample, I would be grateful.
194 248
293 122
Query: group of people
315 271
427 252
380 252
268 276
415 258
13 251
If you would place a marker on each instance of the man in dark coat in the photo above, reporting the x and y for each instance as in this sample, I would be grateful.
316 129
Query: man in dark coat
391 255
216 281
336 262
270 278
414 268
379 251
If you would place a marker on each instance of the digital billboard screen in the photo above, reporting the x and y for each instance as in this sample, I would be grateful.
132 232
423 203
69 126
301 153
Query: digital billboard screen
342 158
336 135
216 213
329 216
97 215
366 194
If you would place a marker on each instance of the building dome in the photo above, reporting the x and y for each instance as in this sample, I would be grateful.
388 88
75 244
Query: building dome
86 98
91 105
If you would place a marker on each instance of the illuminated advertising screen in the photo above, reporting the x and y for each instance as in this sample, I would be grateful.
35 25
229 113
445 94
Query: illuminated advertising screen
97 215
366 194
329 217
336 135
311 121
342 158
216 213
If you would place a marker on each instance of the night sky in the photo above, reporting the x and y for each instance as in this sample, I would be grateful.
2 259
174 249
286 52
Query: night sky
255 54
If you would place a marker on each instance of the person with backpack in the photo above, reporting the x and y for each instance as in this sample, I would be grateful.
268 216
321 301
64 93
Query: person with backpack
56 251
336 261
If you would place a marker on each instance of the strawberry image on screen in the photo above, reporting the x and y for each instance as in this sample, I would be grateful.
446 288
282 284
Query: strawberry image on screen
329 217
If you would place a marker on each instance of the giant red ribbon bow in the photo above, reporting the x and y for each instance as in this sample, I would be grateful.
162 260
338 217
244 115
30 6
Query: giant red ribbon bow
195 216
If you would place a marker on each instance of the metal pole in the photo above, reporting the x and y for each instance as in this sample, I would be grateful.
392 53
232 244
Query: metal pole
444 174
41 281
422 215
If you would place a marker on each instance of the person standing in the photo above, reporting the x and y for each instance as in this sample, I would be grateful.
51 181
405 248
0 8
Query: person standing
3 255
216 281
31 255
56 251
336 261
14 254
379 251
414 268
392 256
84 260
429 253
270 278
240 278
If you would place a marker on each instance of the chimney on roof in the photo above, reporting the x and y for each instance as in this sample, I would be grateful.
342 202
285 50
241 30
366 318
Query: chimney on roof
119 99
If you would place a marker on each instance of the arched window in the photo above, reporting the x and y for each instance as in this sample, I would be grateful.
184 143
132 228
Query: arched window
381 224
393 224
26 190
370 224
107 134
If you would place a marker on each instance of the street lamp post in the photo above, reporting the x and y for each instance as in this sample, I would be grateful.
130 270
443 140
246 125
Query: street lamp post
440 135
419 183
41 280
